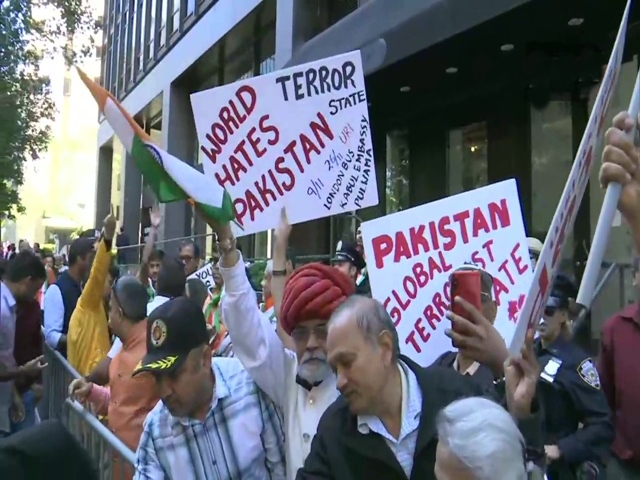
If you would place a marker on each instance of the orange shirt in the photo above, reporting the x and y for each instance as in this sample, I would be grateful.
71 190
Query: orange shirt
131 397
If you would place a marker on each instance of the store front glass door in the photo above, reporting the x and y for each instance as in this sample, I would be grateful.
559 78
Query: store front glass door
467 158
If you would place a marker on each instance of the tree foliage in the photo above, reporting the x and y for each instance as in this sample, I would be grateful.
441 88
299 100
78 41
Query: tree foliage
32 31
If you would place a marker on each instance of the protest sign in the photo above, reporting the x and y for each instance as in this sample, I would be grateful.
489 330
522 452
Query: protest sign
567 210
298 137
411 254
205 274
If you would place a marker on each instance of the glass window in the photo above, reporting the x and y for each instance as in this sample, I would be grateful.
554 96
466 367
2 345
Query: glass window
175 16
551 161
142 46
134 42
163 22
152 31
191 7
267 52
467 160
397 197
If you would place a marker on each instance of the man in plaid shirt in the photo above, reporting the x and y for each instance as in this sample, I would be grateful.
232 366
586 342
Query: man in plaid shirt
212 422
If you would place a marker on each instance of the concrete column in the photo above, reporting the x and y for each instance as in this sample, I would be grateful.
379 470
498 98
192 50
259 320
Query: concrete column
131 206
179 139
103 184
293 23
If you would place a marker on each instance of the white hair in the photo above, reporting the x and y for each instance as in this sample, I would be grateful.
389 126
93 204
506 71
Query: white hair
269 267
484 437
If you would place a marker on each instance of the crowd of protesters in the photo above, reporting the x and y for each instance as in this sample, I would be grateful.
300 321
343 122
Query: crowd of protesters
310 383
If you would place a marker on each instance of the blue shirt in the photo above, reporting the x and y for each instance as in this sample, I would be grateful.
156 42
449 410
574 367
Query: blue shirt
404 446
7 338
241 437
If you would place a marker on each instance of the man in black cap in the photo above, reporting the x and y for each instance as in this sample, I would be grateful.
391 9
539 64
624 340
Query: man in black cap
213 420
349 260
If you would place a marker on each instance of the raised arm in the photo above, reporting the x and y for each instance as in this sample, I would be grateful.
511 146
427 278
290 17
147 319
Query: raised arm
91 296
255 343
279 278
155 218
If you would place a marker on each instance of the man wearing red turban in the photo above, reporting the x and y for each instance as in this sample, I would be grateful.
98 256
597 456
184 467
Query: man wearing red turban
298 378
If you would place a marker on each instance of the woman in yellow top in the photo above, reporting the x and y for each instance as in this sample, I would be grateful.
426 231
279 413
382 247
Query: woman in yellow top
88 337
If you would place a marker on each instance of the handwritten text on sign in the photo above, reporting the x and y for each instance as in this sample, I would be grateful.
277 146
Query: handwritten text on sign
410 262
205 274
298 137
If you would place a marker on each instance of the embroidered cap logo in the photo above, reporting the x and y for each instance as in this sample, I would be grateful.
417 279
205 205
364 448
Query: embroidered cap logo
158 333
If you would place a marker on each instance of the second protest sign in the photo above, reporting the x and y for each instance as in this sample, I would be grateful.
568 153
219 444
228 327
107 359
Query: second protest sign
411 254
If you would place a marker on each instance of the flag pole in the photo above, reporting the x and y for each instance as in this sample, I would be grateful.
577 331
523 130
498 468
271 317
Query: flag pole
605 220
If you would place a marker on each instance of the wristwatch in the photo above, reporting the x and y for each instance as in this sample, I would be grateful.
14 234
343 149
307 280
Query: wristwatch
279 273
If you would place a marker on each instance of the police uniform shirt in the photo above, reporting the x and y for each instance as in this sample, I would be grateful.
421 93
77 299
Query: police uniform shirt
570 392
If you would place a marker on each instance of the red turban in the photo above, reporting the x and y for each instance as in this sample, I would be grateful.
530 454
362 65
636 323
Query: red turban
313 292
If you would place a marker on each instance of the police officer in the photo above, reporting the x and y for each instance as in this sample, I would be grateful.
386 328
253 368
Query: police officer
577 419
349 260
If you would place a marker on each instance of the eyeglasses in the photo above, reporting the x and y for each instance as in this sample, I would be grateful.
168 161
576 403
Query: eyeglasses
185 258
301 335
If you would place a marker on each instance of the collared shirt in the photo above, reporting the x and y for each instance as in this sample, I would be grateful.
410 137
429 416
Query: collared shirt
53 316
471 369
241 437
619 371
257 345
405 445
7 338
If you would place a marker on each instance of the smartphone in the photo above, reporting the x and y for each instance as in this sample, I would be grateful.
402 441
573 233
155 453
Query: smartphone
466 284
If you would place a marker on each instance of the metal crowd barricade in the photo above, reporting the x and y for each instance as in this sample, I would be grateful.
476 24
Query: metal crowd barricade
112 457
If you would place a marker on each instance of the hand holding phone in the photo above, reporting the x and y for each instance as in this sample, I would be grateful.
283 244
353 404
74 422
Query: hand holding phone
466 284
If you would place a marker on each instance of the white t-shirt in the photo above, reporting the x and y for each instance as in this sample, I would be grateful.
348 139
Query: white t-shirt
151 306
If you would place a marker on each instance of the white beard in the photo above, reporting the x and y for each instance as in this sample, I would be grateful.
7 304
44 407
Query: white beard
314 369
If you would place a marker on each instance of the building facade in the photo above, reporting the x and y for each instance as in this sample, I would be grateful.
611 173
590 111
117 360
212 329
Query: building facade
158 52
462 94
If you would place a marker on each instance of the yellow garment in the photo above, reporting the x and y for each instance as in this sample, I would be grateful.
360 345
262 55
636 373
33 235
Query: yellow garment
88 336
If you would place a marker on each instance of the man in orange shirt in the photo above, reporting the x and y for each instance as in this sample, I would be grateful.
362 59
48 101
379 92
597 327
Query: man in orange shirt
128 399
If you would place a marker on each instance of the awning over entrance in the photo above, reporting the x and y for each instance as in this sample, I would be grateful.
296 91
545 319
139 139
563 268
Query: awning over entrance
388 30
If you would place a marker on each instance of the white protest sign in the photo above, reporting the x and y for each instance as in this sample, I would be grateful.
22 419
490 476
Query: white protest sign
565 216
205 274
298 137
411 254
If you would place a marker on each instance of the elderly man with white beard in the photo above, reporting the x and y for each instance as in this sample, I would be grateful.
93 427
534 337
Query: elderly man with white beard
298 378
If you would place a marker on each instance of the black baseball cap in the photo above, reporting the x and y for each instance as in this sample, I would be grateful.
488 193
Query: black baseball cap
349 253
173 330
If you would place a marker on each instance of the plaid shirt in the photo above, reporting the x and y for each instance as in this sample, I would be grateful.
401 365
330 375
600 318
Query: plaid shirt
241 438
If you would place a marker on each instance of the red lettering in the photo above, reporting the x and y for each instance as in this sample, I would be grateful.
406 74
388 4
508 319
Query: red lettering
477 259
479 223
402 248
431 317
498 289
504 269
447 232
487 246
461 218
382 246
410 340
499 214
543 286
439 303
517 260
420 275
417 239
422 332
395 313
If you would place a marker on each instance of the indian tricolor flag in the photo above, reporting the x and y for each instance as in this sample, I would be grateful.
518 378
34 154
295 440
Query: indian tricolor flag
170 178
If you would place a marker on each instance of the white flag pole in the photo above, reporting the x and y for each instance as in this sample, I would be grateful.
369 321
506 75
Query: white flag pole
605 220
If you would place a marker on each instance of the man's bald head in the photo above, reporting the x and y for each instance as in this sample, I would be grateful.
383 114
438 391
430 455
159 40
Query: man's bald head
370 317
